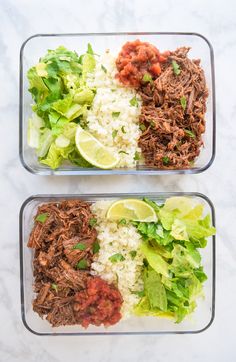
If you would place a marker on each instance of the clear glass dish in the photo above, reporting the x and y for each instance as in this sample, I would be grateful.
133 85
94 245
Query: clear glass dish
200 320
36 46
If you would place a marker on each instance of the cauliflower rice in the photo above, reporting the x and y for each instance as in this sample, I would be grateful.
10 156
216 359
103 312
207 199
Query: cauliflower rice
112 119
123 239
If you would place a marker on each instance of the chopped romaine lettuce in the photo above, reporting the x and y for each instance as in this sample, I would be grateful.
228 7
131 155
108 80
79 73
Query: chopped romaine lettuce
172 271
154 259
34 126
58 86
45 140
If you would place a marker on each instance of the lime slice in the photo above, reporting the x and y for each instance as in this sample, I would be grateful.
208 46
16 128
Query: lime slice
94 151
131 209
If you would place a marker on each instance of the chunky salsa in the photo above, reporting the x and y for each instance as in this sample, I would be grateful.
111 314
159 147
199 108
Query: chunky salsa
98 304
138 62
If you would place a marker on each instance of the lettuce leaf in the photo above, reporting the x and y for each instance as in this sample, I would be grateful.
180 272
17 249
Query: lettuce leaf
155 290
58 86
37 87
84 96
45 140
56 155
172 273
154 259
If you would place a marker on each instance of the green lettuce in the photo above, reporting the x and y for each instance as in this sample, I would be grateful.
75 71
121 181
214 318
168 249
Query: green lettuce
172 274
154 259
58 87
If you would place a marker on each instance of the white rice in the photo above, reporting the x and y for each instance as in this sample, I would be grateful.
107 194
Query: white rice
119 132
113 239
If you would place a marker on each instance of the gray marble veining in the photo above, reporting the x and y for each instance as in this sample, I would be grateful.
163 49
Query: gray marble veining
216 20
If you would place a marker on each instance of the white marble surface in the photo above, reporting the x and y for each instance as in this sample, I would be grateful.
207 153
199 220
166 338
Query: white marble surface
216 20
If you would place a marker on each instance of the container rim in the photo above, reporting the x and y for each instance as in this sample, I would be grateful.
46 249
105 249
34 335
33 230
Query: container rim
117 195
92 172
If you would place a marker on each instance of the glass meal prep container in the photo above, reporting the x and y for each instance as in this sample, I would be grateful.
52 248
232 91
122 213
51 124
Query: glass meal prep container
36 46
198 321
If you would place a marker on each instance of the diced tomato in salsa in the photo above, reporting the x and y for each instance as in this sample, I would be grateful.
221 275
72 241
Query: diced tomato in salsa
98 304
136 59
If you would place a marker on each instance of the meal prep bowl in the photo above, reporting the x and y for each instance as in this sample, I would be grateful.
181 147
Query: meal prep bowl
37 45
199 321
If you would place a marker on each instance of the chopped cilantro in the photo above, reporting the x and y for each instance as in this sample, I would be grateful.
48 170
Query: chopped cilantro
147 78
183 102
134 102
142 127
123 129
126 153
176 67
42 217
92 221
104 68
114 133
82 264
133 253
79 246
116 257
96 247
136 156
54 286
190 133
165 160
115 114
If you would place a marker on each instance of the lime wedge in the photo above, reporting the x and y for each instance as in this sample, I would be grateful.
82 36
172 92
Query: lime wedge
94 151
131 209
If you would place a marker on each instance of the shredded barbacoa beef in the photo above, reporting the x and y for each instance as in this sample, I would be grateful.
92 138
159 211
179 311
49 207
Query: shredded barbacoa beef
173 134
63 239
174 106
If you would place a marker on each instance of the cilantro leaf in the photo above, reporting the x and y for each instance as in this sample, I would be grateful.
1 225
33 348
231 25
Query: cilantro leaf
115 114
142 127
176 67
190 133
147 78
165 160
92 221
183 102
42 217
114 133
133 253
134 102
96 247
104 68
54 286
116 258
82 264
137 156
79 246
126 153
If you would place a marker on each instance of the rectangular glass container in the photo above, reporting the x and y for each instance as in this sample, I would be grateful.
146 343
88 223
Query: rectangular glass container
36 46
199 321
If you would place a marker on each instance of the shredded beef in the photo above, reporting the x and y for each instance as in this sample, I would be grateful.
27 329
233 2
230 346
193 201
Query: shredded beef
58 281
173 111
173 134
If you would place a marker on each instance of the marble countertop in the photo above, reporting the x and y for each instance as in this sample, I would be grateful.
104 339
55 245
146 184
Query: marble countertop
216 20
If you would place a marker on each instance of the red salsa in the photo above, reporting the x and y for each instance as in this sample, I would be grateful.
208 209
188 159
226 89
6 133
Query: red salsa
139 62
98 304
